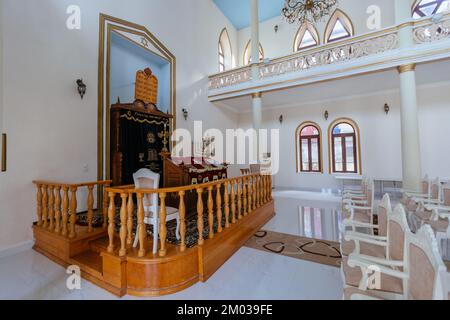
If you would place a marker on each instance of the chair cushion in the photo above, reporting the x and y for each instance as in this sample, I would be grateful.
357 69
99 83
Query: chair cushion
353 278
440 225
348 292
372 250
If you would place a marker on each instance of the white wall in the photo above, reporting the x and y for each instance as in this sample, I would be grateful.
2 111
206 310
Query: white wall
276 44
52 132
380 134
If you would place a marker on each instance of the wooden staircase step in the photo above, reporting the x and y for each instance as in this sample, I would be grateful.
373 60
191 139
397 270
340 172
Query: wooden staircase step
90 262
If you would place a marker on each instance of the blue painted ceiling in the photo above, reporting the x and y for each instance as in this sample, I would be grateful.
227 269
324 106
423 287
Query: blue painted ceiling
238 11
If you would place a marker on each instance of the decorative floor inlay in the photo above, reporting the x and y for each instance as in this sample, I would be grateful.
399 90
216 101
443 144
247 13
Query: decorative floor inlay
318 251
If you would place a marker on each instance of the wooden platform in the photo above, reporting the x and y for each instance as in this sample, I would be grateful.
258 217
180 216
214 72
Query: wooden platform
150 275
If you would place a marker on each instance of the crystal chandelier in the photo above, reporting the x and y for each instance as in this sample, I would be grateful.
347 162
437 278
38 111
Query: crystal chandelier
311 11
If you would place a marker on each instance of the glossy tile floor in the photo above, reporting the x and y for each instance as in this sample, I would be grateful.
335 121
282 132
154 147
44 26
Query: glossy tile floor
249 274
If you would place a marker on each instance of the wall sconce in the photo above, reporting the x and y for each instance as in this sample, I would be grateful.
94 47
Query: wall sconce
185 114
276 28
386 108
326 115
281 119
81 88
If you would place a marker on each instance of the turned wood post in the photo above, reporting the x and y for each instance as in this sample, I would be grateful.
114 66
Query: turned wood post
39 204
219 208
200 216
226 205
182 212
130 212
58 209
73 212
239 200
45 206
123 225
254 193
244 187
105 205
210 205
270 188
141 225
249 194
65 210
233 203
111 223
162 225
261 189
90 203
51 208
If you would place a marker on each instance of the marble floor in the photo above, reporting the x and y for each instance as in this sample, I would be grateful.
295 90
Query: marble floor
249 274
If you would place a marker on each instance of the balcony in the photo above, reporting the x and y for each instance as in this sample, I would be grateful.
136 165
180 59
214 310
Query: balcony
379 50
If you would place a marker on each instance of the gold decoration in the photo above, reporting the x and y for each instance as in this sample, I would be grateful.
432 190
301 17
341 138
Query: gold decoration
165 136
146 86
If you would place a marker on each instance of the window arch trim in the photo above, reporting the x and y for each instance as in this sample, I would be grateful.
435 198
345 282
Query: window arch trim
224 33
247 49
358 158
301 33
298 149
338 14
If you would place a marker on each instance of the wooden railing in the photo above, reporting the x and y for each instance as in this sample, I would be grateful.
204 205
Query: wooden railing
57 205
235 199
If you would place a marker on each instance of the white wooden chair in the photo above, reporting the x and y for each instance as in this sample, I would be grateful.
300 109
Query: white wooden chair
423 275
358 192
408 195
146 179
361 210
387 251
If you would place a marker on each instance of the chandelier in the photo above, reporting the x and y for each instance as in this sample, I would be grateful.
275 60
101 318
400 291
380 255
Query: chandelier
311 11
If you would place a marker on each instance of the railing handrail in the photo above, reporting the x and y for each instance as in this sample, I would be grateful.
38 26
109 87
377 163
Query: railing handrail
71 185
132 189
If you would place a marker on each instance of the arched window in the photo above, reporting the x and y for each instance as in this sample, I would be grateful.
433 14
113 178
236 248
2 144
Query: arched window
224 50
424 8
309 148
248 53
307 37
344 147
339 27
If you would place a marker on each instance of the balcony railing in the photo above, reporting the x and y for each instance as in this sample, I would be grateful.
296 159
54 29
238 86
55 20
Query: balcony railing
425 31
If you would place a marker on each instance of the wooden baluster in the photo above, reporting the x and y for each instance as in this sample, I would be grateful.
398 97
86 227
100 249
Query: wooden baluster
233 203
258 191
226 200
162 225
261 201
73 212
249 193
182 212
123 225
105 205
51 208
254 186
239 201
130 212
200 216
267 188
45 206
219 208
263 190
210 213
141 225
65 210
111 222
39 204
90 203
58 209
244 187
270 188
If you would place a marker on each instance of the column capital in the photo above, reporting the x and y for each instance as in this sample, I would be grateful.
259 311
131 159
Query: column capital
256 95
406 68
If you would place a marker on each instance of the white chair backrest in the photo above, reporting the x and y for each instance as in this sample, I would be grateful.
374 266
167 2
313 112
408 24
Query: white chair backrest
146 179
446 195
427 271
371 193
384 212
436 190
397 231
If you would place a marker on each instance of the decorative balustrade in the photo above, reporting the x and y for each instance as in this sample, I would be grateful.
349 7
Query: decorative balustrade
57 205
227 202
426 30
432 31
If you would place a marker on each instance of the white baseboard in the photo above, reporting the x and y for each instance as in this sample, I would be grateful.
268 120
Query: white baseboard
15 249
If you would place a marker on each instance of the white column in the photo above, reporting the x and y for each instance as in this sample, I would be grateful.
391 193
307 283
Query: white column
255 38
257 121
403 13
411 157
